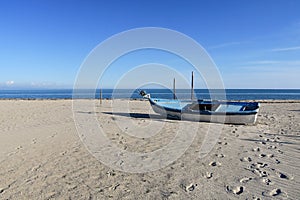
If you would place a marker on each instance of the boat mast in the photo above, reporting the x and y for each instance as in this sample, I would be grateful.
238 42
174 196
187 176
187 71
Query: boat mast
192 86
174 90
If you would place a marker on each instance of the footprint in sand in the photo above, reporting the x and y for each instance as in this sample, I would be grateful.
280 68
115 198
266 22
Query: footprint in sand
214 163
259 172
111 173
277 161
19 147
222 143
208 175
235 130
279 151
190 187
256 198
262 155
237 190
256 149
272 147
256 171
266 181
263 174
245 180
114 187
220 155
260 165
282 175
273 139
247 159
277 192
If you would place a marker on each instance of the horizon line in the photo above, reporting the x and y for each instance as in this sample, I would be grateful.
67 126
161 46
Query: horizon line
150 88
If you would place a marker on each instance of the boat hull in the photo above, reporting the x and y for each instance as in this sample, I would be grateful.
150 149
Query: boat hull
215 117
227 119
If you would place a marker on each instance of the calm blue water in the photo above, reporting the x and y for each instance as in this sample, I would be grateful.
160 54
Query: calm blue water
231 94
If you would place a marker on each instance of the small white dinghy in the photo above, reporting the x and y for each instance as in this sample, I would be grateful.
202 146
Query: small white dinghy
205 111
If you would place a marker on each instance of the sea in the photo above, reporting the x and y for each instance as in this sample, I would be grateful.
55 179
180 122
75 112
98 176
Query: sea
230 94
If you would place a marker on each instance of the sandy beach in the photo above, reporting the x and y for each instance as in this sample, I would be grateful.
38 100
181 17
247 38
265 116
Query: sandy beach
42 156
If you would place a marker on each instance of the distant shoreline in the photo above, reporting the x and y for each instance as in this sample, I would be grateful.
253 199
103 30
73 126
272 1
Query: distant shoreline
268 101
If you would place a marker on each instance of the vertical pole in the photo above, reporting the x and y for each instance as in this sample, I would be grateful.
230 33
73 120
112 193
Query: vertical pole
100 96
174 90
192 86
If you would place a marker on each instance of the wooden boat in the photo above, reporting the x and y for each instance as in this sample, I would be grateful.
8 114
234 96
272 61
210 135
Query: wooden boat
205 110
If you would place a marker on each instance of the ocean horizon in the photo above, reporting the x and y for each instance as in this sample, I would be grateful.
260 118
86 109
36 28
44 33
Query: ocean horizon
230 94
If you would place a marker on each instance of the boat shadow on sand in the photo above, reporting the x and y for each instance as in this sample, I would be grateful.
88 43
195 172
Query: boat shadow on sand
132 115
269 141
136 115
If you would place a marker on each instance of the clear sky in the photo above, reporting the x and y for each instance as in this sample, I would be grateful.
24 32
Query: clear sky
255 44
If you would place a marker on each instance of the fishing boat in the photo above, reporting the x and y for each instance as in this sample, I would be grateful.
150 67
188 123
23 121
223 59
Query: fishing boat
205 110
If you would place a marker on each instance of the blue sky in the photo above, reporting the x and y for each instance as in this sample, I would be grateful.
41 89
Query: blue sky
255 44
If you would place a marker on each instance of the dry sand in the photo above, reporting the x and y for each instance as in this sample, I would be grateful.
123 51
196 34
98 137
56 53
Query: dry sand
42 156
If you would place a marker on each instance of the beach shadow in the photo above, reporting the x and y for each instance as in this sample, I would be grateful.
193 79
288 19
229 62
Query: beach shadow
84 112
295 110
277 142
280 135
136 115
